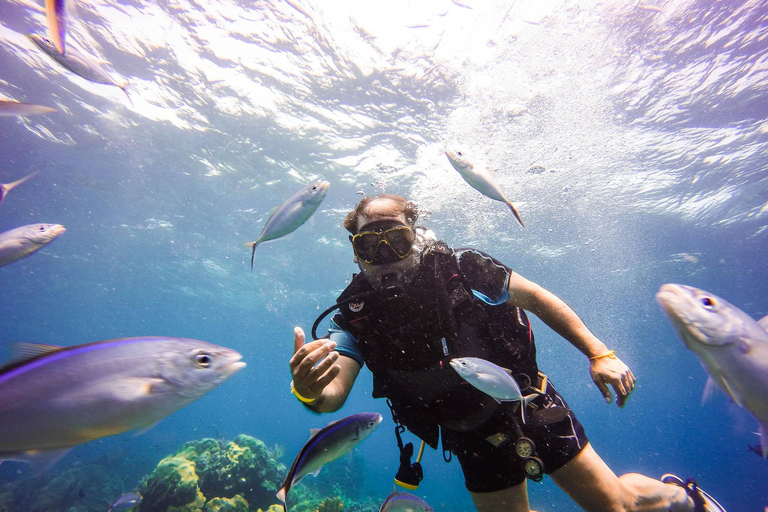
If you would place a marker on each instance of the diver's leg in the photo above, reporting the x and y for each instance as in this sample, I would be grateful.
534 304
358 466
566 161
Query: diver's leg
591 483
511 499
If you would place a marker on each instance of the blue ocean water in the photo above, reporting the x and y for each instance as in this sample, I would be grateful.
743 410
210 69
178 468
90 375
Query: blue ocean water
631 137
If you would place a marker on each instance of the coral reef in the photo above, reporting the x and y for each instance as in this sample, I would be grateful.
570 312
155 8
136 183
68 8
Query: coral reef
211 475
331 505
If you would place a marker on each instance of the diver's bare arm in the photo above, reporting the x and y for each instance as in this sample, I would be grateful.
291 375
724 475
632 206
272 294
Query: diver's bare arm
605 368
555 313
336 392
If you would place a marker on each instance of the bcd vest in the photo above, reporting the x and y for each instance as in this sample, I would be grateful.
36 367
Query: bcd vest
408 338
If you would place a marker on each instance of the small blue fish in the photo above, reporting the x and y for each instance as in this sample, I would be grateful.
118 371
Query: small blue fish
290 215
328 444
54 398
126 502
79 63
404 502
20 242
480 179
17 109
492 380
6 187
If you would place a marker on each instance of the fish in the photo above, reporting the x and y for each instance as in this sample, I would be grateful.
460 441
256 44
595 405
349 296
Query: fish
79 63
54 398
404 502
57 23
491 379
18 109
290 215
127 501
328 444
20 242
731 346
6 187
480 179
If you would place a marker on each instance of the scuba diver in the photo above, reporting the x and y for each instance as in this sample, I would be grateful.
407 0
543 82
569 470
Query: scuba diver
416 305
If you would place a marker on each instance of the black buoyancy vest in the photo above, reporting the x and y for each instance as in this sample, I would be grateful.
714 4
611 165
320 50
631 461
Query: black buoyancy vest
407 340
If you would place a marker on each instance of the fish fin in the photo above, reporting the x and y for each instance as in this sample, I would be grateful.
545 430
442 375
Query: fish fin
514 212
41 460
252 245
764 440
24 351
764 322
281 495
709 390
731 394
133 388
316 472
9 186
313 432
124 88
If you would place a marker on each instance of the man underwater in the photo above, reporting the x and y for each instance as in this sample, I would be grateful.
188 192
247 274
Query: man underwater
416 305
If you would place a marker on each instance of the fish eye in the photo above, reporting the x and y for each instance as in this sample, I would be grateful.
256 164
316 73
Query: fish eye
459 153
708 303
203 360
41 228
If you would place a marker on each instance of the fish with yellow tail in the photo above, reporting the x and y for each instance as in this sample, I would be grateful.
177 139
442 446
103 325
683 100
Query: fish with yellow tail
731 346
328 444
79 63
480 179
20 242
290 215
6 187
54 398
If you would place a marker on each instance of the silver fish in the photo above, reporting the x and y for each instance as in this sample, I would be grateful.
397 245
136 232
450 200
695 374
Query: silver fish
78 63
56 398
731 346
127 501
480 179
328 444
15 108
287 217
404 502
6 187
20 242
57 22
491 379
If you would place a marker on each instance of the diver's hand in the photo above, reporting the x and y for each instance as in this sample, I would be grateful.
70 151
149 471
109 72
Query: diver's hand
611 371
312 365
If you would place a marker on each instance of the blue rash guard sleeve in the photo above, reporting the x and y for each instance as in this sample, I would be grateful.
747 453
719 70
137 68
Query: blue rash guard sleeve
346 344
488 277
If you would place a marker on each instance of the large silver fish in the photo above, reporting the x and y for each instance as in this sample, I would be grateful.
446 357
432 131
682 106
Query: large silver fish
6 187
287 217
480 179
20 242
15 108
328 444
492 380
78 63
57 397
732 347
404 502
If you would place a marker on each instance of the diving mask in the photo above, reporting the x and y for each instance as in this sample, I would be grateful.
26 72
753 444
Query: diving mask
367 244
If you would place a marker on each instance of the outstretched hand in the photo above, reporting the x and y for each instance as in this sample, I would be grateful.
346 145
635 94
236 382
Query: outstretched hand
312 365
611 371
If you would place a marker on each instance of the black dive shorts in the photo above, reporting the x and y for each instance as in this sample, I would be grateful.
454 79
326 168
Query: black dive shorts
488 468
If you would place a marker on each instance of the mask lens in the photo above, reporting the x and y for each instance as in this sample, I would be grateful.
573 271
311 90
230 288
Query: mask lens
365 245
400 240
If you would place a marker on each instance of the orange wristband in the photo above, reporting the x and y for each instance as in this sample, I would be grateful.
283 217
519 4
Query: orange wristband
610 353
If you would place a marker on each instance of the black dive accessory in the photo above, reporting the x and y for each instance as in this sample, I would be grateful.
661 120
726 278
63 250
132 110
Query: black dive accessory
367 243
409 475
391 289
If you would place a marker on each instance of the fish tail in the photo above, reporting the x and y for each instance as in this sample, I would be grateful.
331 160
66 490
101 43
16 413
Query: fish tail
124 88
282 496
514 212
9 186
252 245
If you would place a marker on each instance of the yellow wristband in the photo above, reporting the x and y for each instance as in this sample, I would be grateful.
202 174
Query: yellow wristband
301 398
610 353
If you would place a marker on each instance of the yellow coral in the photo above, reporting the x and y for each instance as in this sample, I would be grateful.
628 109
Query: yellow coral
273 508
331 505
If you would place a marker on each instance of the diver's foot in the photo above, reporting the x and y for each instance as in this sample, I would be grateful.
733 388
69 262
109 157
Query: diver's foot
702 502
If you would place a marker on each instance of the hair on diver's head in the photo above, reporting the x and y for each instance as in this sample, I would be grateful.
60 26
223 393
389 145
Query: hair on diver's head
382 205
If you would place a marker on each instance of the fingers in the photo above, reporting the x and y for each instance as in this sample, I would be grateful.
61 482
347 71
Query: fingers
603 387
298 338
